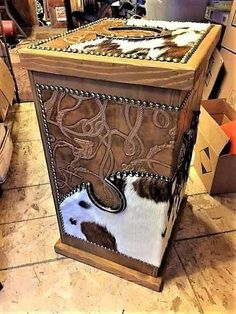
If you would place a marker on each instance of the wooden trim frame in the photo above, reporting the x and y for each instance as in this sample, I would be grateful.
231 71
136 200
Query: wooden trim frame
181 76
150 282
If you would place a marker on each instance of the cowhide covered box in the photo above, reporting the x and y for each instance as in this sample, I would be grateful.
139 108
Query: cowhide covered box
118 104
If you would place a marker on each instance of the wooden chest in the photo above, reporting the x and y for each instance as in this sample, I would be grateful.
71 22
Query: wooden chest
118 104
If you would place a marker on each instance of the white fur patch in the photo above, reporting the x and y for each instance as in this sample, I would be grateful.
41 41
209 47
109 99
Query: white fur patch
137 230
184 34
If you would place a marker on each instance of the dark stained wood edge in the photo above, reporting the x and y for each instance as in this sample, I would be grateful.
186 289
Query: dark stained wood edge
116 257
153 283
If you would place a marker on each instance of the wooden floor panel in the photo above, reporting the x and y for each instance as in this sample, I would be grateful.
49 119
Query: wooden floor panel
28 242
210 263
206 215
67 286
26 203
28 166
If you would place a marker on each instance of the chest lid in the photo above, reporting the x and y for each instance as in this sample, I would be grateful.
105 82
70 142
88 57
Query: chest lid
153 53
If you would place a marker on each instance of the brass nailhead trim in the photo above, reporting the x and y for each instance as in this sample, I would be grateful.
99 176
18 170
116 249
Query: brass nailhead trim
187 56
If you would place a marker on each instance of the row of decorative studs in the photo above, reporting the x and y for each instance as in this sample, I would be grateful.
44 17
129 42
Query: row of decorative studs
52 163
141 174
37 44
194 47
122 55
118 175
119 99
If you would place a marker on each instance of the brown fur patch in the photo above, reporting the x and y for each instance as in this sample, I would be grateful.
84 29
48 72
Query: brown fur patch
152 189
99 235
177 52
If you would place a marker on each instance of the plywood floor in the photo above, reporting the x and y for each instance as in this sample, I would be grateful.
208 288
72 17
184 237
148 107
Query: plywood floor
200 273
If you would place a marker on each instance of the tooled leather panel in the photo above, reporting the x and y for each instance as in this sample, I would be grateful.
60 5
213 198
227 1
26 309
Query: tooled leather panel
93 138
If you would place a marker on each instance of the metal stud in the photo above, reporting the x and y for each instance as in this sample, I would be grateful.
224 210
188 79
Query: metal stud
112 177
118 175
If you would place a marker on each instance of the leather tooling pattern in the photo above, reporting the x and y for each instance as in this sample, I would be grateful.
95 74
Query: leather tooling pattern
93 138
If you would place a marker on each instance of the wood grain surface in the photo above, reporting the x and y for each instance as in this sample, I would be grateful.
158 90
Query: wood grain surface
210 266
109 266
116 69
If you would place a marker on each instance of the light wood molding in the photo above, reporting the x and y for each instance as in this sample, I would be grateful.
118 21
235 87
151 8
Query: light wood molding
153 283
148 73
115 69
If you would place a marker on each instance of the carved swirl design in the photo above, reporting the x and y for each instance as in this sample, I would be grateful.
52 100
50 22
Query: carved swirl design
92 138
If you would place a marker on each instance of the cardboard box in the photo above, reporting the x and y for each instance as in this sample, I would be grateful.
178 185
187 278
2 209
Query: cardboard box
215 166
228 52
228 86
6 90
229 39
214 66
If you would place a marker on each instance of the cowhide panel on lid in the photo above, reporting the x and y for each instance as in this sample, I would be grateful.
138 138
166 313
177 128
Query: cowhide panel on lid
135 39
142 39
